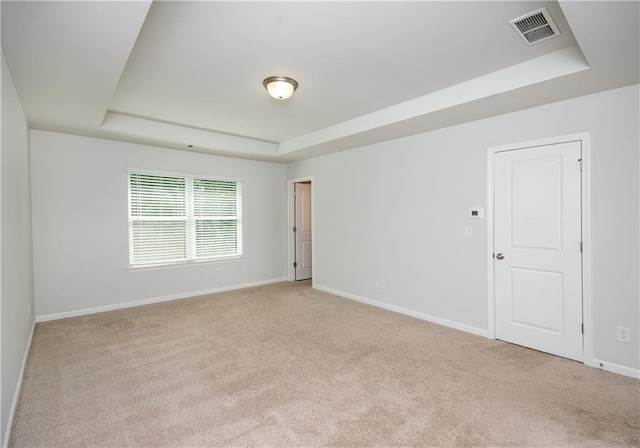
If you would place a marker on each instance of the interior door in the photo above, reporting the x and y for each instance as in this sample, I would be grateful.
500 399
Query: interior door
537 258
302 230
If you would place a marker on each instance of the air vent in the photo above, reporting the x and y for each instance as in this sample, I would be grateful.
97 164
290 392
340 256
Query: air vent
535 26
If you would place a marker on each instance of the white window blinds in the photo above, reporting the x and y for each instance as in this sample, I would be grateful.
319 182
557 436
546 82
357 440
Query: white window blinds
174 219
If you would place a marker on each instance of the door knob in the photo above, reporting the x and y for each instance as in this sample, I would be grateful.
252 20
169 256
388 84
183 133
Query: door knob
500 256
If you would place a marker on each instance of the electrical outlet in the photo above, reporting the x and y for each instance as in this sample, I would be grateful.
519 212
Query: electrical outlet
29 309
383 284
624 335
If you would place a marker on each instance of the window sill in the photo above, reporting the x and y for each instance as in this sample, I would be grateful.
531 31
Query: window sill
182 264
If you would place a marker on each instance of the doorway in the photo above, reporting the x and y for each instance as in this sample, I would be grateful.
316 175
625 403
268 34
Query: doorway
537 242
301 229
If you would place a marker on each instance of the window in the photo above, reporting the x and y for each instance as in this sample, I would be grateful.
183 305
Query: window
174 219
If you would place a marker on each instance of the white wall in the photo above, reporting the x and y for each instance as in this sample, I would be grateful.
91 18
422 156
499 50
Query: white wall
16 262
80 230
397 211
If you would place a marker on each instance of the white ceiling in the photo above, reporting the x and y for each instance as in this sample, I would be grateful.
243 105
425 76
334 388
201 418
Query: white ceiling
190 73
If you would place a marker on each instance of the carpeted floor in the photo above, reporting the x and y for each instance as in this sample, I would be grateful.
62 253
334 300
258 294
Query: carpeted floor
284 365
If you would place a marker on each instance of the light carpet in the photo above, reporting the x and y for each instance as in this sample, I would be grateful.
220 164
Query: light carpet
285 365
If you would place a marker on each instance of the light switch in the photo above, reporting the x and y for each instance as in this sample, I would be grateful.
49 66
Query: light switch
468 232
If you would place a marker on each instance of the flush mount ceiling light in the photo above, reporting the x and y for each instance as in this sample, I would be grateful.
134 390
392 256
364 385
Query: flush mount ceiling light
280 87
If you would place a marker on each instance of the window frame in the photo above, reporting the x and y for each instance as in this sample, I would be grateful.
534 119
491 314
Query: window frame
189 218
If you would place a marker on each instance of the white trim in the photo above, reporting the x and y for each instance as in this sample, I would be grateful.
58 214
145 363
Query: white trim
579 137
16 395
587 301
614 368
133 170
397 309
291 256
491 307
100 309
188 218
584 139
183 263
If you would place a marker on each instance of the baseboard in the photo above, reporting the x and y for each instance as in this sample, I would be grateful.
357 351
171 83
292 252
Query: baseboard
614 368
436 320
16 395
118 306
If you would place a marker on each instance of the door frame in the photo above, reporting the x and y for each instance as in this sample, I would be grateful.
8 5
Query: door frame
584 139
291 237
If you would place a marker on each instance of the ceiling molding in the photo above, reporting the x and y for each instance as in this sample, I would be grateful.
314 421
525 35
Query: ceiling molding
130 71
66 70
551 66
183 136
545 68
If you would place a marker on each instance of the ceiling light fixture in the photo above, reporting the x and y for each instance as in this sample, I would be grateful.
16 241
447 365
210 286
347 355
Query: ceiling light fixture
280 87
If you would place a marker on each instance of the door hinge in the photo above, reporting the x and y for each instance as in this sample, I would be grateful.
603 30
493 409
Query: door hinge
582 325
295 264
295 229
294 193
580 165
580 246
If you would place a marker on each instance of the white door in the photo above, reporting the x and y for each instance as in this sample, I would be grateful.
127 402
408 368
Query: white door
302 229
537 248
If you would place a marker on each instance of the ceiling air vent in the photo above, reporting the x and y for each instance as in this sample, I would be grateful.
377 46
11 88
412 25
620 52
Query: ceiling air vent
535 26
